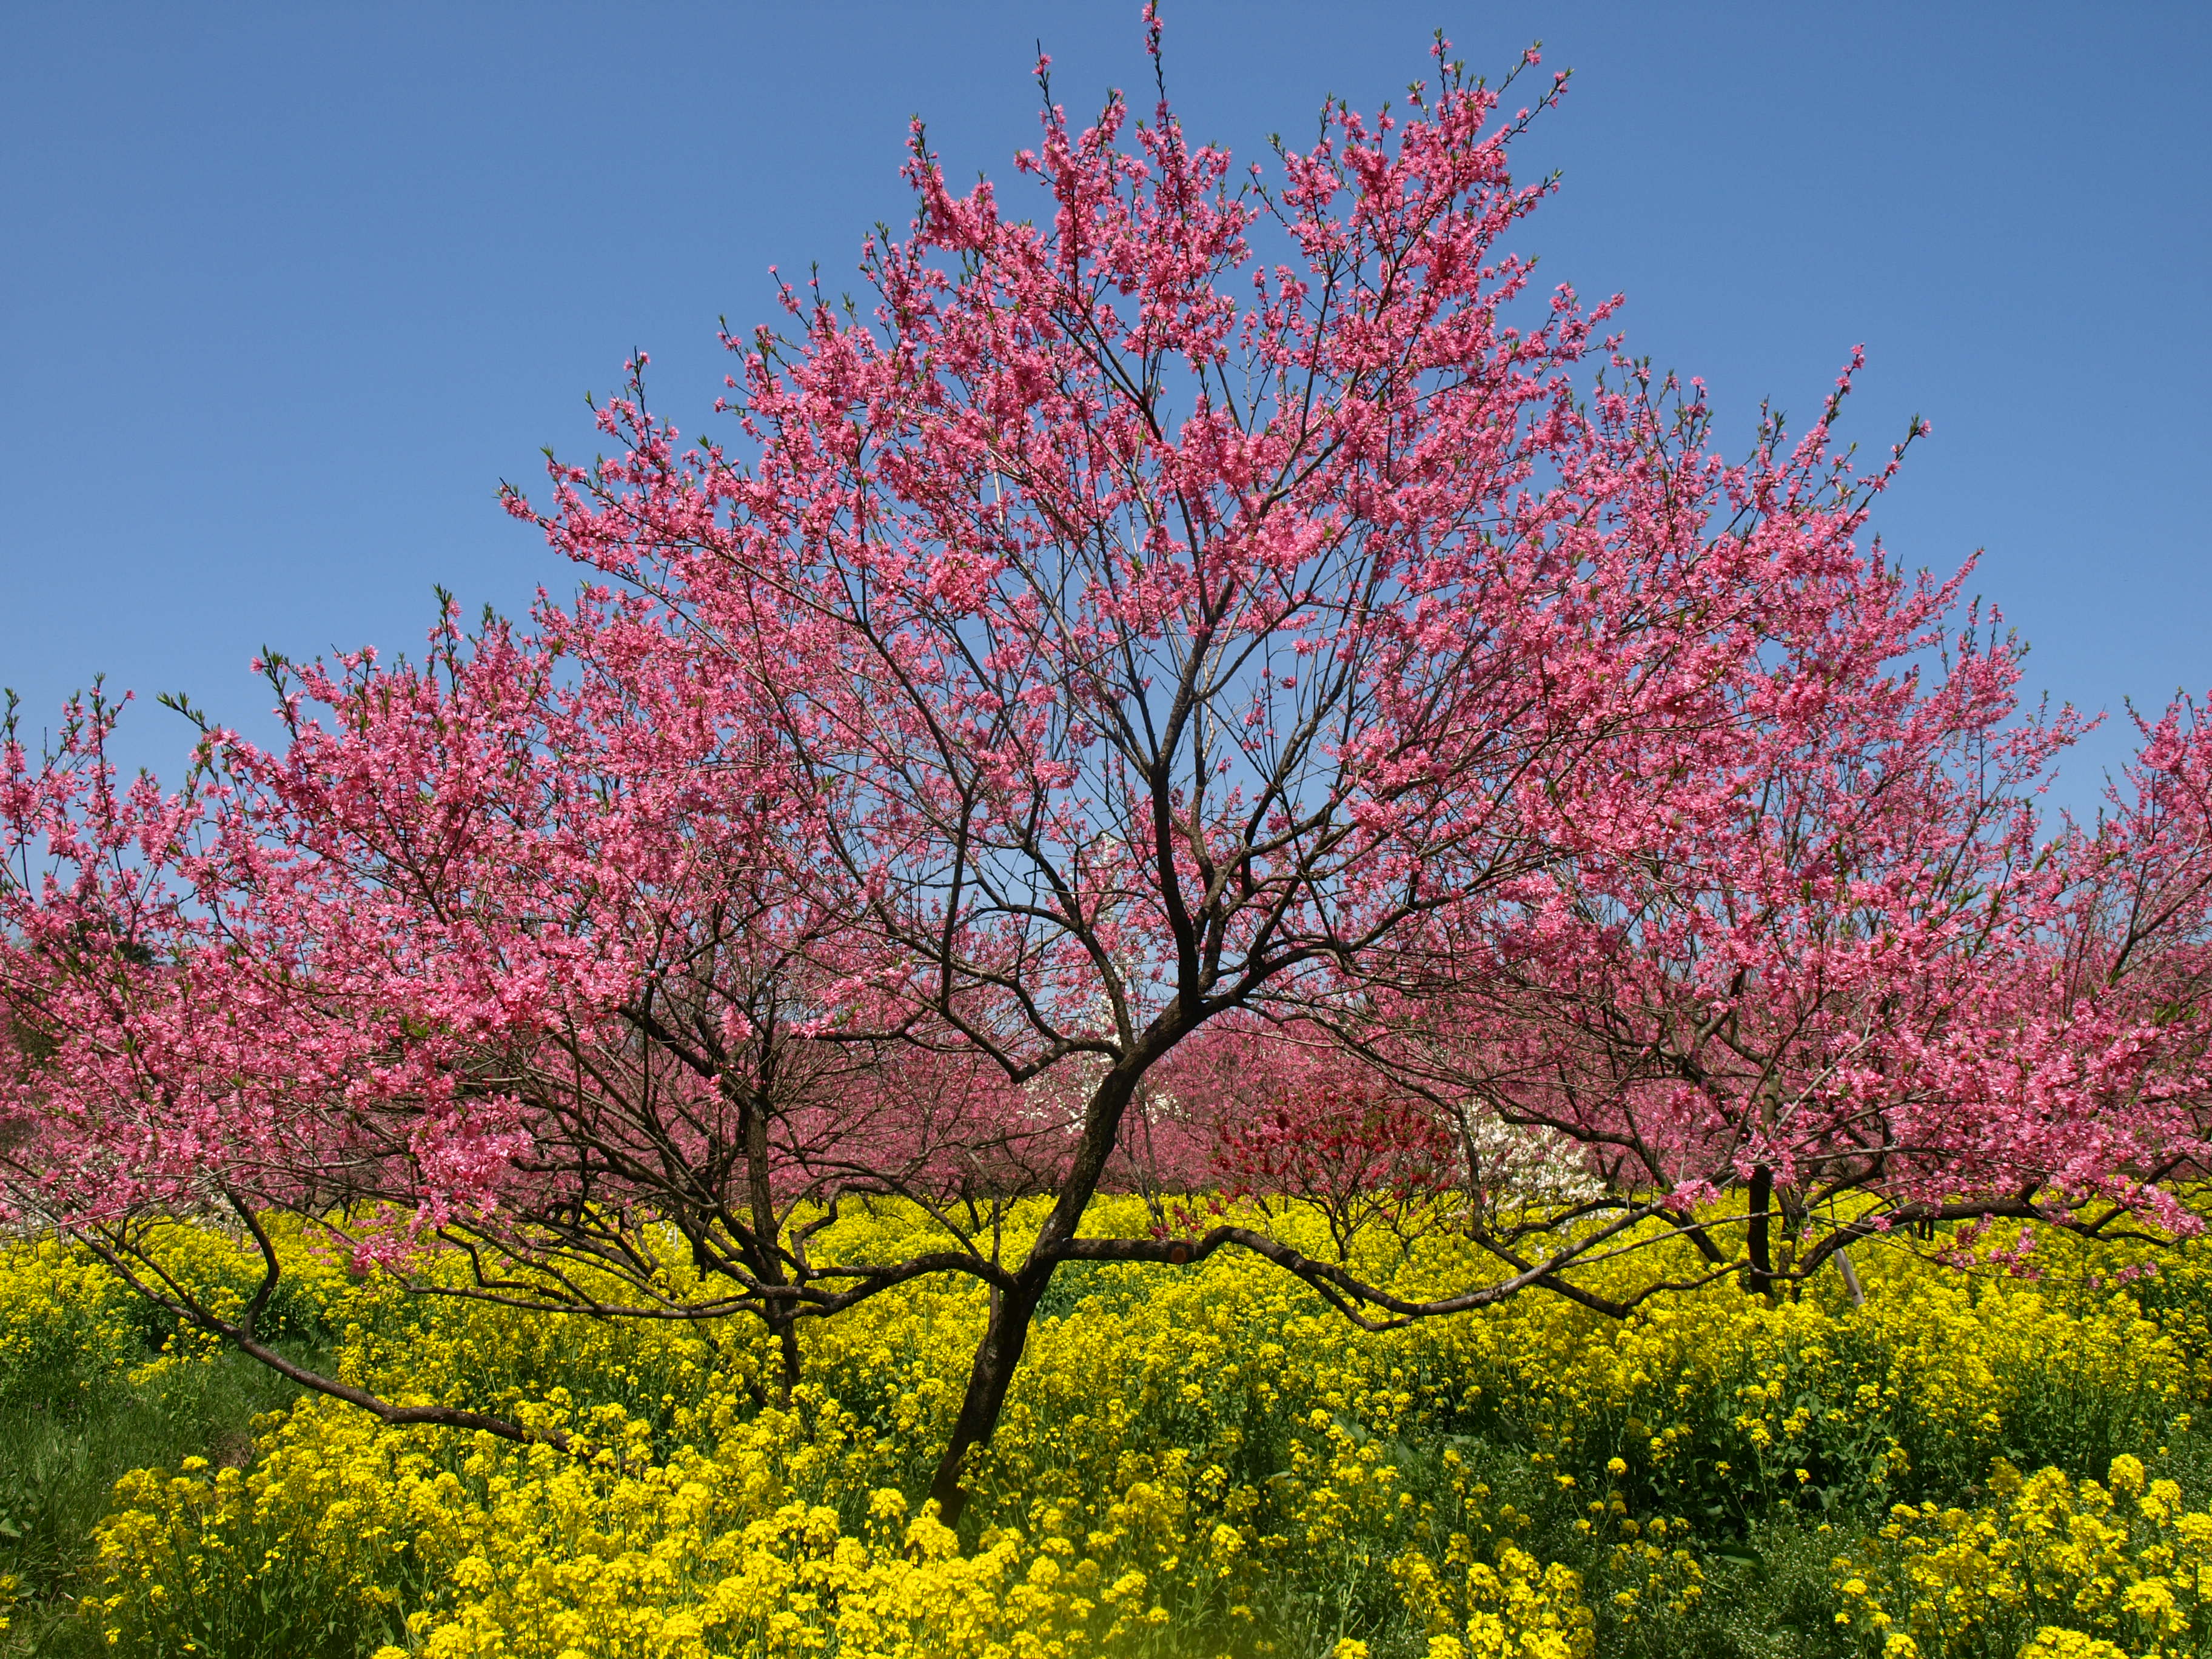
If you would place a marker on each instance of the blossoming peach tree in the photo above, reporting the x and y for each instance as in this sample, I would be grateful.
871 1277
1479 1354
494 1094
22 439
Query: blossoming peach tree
1861 989
1214 618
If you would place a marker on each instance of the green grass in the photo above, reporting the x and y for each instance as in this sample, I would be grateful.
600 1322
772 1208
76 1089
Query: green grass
61 1449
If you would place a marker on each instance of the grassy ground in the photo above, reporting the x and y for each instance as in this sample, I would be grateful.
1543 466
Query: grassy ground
63 1446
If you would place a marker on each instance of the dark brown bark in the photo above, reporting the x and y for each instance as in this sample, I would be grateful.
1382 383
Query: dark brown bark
1758 1277
163 1290
997 1358
778 1311
1000 1353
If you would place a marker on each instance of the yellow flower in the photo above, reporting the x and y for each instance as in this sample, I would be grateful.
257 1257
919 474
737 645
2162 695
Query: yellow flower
1178 1447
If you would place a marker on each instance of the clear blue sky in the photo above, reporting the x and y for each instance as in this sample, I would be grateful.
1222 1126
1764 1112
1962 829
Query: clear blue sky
285 291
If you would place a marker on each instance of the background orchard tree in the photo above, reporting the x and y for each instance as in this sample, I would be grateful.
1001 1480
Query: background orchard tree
501 952
1862 992
1212 604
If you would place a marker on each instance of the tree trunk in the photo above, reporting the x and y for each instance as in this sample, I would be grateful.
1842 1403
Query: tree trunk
1000 1353
760 1198
1792 1207
997 1358
1850 1278
1759 1278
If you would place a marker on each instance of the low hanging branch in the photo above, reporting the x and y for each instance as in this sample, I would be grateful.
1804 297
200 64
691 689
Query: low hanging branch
145 1274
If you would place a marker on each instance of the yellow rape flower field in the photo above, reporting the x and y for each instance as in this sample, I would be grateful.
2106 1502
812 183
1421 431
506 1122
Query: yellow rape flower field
1194 1462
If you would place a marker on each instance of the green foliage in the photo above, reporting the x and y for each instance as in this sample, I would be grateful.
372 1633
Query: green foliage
66 1445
